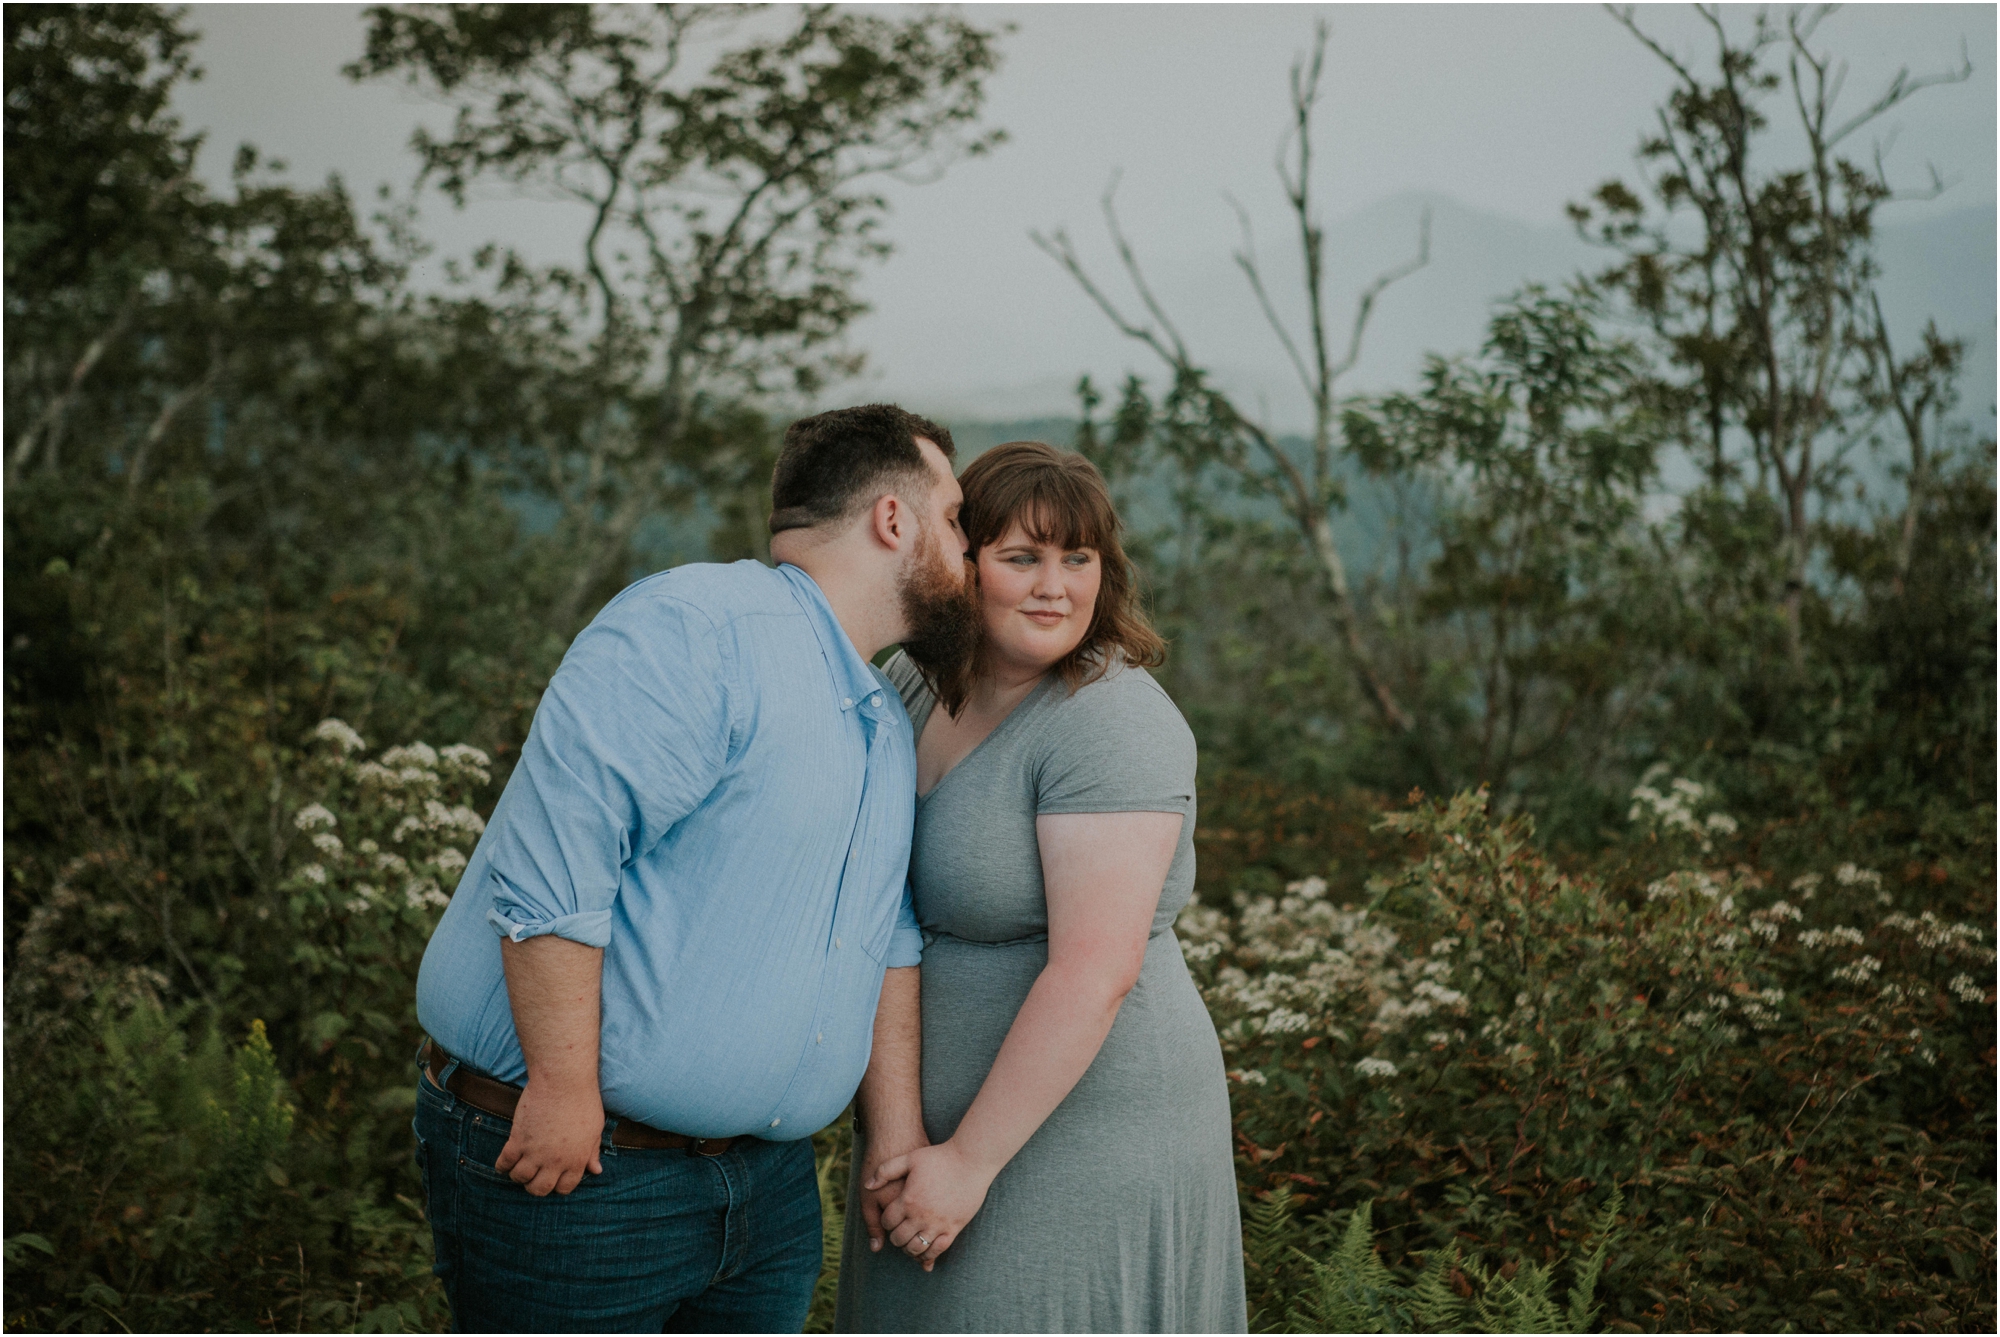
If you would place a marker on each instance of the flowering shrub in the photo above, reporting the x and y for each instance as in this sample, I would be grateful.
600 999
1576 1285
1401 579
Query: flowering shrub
209 1175
1486 1046
382 842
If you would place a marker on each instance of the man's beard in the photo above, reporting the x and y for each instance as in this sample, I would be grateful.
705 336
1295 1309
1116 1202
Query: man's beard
942 614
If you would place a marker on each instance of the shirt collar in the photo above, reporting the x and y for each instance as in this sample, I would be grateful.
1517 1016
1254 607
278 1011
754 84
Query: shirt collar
854 679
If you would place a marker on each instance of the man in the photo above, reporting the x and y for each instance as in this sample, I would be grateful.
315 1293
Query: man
661 970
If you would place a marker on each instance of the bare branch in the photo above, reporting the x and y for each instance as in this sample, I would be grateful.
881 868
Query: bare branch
1246 260
46 421
1366 306
1131 263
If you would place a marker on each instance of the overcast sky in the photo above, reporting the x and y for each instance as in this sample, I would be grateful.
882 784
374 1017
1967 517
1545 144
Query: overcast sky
1509 111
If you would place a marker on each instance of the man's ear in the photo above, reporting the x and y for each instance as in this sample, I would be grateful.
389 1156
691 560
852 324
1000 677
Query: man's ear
889 521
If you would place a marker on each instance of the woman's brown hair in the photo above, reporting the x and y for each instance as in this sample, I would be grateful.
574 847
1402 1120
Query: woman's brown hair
1060 498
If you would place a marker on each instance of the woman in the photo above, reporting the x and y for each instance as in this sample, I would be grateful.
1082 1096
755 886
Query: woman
1079 1176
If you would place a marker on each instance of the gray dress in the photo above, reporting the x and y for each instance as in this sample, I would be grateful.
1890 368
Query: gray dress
1119 1214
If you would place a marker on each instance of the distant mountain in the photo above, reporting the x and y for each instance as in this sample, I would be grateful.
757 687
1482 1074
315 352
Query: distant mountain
1942 266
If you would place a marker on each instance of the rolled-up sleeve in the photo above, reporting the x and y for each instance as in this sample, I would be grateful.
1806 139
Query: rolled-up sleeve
906 942
630 737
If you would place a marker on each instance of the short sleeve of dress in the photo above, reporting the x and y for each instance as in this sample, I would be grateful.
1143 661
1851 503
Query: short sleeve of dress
910 685
1118 745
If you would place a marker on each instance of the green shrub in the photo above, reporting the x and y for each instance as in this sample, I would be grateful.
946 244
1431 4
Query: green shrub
1490 1045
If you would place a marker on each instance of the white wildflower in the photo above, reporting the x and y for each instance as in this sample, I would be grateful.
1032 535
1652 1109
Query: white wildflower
1310 889
1765 930
392 864
313 815
450 861
421 892
340 735
467 760
460 818
405 827
1437 1037
1721 823
1806 884
314 874
367 846
1250 1078
1858 972
1848 875
327 843
1968 990
1376 1067
412 754
359 905
1282 1020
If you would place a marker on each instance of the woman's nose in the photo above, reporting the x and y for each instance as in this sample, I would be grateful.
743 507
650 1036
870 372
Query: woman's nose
1048 581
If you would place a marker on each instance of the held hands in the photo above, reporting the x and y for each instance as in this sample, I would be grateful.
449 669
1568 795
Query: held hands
875 1200
941 1190
555 1138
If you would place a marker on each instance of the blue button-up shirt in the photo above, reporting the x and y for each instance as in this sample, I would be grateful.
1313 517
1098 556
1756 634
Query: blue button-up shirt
718 791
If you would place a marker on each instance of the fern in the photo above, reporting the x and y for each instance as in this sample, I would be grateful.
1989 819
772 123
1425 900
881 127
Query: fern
1433 1303
1519 1304
1269 1229
1583 1290
1353 1291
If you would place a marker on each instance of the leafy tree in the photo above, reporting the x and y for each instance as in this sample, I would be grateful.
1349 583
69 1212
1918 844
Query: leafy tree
1763 307
1542 454
728 210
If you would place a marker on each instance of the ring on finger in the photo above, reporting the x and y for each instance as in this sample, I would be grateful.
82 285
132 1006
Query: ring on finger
923 1241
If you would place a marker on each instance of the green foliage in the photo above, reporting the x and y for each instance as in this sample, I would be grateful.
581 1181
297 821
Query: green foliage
833 1148
1489 1042
265 499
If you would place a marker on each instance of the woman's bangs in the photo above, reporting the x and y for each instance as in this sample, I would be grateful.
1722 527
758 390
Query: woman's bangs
1056 511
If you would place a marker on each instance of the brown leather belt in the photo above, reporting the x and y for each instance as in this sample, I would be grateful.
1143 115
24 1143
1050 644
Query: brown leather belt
499 1099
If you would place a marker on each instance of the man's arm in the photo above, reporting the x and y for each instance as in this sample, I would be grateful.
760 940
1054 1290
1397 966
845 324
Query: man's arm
555 987
889 1105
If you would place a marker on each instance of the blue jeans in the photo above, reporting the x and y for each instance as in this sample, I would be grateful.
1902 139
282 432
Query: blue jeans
662 1241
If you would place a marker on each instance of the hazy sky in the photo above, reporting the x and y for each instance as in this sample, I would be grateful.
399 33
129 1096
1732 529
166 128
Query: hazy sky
1507 110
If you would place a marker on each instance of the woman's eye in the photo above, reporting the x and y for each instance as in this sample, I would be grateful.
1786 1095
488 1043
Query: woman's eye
1078 559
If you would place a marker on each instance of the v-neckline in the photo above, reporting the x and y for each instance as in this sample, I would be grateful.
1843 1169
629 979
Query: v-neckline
991 734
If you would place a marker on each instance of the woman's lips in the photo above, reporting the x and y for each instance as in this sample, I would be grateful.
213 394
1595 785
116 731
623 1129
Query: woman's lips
1043 617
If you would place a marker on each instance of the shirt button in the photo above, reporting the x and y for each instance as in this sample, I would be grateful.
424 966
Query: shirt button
820 1039
875 700
774 1123
846 701
836 944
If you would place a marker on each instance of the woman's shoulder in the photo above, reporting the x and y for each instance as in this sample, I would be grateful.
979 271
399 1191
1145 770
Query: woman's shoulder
1126 708
909 683
1114 745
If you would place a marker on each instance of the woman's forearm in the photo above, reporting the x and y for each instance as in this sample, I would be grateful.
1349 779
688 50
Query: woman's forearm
1056 1034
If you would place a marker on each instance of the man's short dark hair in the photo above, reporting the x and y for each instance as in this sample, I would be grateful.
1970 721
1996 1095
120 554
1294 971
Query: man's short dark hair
834 461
